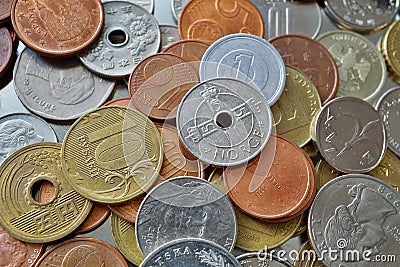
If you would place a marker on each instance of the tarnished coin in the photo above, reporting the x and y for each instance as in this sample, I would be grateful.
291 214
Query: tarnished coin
120 102
188 50
22 215
209 20
362 69
62 29
112 154
6 50
307 257
185 207
356 213
58 89
177 6
5 10
224 122
18 130
290 16
169 35
350 135
193 252
82 252
130 34
261 259
248 58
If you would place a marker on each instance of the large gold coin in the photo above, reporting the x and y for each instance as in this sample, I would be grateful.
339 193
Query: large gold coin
112 154
22 215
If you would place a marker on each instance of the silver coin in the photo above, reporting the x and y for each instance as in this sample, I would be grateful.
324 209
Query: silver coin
362 16
248 58
291 16
193 252
177 6
130 33
18 130
255 259
224 122
353 220
185 207
58 89
148 5
350 135
169 35
362 69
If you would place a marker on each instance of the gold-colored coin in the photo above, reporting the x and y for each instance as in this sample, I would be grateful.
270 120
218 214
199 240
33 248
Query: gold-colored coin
307 257
112 154
325 173
390 49
296 108
388 170
302 226
22 215
124 236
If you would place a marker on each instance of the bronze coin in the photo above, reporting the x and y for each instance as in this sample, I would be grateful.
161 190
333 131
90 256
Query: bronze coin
209 20
57 28
121 102
128 211
311 58
188 50
5 9
6 50
79 252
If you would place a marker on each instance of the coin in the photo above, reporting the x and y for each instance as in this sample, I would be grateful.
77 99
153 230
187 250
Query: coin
121 102
193 252
296 108
224 122
23 216
261 259
311 58
112 154
60 29
128 210
185 207
209 20
307 257
5 9
82 252
58 89
18 130
6 51
177 6
389 48
286 17
388 170
351 135
325 173
169 35
362 69
130 34
148 5
188 50
371 208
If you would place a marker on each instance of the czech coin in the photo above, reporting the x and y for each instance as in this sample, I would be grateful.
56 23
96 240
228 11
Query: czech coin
185 207
5 10
22 215
193 252
58 89
177 6
261 259
188 50
59 29
224 122
248 58
130 34
112 154
6 51
350 135
169 35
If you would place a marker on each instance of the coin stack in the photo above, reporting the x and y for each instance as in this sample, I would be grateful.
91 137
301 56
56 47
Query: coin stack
223 139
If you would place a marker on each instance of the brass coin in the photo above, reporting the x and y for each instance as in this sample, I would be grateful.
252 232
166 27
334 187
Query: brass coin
307 257
390 48
388 170
26 218
325 173
112 154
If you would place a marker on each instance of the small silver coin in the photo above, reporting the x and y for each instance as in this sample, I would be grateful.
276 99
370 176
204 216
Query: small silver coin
388 107
169 35
255 259
193 252
130 33
248 58
185 207
224 122
354 220
148 5
58 89
177 6
362 16
19 129
350 135
289 17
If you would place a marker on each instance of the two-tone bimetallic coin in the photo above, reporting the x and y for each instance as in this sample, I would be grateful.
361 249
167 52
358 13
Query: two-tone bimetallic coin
177 6
350 135
58 89
130 33
185 207
248 58
193 252
224 122
261 259
356 217
169 35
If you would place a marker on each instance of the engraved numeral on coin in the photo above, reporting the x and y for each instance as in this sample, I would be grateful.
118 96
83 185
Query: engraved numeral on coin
279 21
244 65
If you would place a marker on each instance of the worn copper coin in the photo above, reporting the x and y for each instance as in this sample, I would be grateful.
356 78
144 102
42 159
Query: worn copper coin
311 58
5 9
121 102
188 50
209 20
58 28
128 210
6 50
89 252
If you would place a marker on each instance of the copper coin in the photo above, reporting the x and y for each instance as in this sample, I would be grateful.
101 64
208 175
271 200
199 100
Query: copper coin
5 9
57 28
121 102
17 253
82 252
209 20
188 50
128 211
158 84
6 50
311 58
285 186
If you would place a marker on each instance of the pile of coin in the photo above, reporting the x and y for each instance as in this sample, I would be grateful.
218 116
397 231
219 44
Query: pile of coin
241 127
